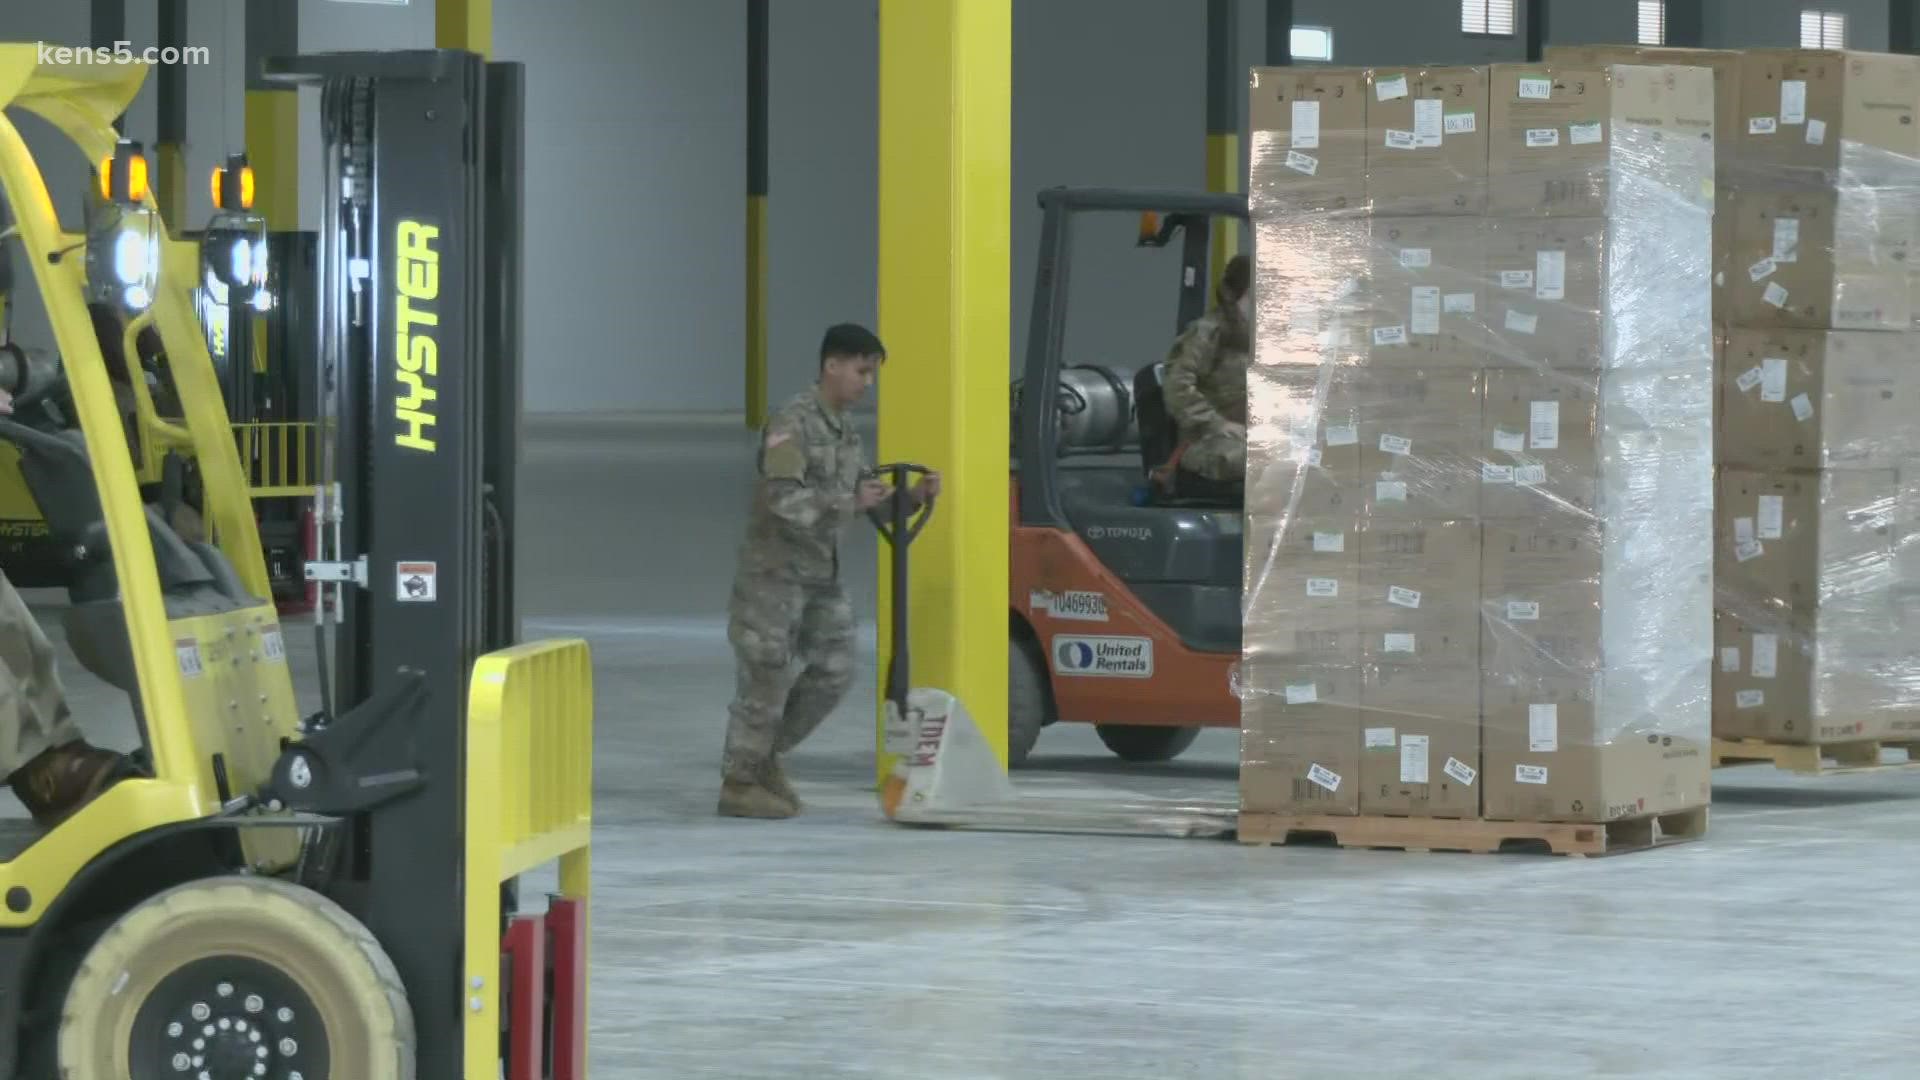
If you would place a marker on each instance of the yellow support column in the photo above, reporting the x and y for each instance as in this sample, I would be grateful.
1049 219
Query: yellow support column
1226 85
756 376
464 24
945 162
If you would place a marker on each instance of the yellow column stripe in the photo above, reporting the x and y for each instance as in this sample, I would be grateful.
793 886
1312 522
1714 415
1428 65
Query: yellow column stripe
464 24
1223 175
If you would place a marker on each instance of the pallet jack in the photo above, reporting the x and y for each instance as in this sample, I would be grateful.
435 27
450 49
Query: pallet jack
275 892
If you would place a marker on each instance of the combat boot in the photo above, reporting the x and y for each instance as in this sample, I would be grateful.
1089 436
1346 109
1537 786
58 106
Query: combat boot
752 801
775 780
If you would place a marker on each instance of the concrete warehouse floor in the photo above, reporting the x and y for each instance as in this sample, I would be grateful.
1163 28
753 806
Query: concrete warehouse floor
836 945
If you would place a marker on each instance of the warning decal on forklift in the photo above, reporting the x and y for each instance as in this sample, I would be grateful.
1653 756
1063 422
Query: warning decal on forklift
188 650
1079 606
416 582
1111 657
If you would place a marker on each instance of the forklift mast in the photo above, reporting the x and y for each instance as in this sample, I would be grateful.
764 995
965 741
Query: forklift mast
418 356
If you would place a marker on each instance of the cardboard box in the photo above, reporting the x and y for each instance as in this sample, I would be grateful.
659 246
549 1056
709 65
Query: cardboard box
1846 672
1303 445
1299 737
1309 134
1577 747
1541 600
1419 591
1425 293
1545 305
1427 140
1417 433
1814 399
1561 135
1813 114
1420 738
1723 63
1304 603
1840 259
1790 543
1539 433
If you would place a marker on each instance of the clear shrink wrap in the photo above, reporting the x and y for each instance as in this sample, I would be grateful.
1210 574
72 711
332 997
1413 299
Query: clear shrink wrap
1480 537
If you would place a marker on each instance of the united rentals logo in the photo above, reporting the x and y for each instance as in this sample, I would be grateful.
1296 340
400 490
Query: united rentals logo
1104 657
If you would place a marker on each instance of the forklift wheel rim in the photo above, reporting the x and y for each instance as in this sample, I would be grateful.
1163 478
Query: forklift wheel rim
166 962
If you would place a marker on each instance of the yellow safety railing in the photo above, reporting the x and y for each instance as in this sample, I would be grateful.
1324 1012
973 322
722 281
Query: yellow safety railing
278 457
529 802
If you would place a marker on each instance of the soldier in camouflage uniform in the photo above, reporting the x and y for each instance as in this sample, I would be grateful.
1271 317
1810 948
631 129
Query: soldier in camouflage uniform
788 603
1206 381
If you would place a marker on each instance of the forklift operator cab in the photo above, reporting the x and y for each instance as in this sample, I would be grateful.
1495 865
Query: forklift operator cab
280 891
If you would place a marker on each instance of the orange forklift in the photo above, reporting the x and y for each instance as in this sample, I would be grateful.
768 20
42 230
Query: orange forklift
1124 598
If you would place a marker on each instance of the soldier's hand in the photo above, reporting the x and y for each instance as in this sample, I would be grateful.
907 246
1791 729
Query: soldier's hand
871 493
1235 429
928 488
6 403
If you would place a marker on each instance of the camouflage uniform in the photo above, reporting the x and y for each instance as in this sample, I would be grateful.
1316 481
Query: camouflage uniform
33 706
787 599
1206 387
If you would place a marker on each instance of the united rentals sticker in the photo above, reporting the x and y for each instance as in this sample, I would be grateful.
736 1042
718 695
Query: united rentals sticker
1104 657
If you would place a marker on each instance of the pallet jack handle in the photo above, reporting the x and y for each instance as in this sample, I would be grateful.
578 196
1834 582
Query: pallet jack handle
900 530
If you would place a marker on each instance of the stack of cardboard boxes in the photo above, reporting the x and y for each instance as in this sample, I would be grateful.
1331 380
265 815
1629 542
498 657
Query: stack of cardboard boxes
1818 384
1479 480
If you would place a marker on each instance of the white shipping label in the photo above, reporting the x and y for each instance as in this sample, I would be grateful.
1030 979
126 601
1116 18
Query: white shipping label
1323 586
1773 379
1773 512
1400 140
1802 408
1426 309
1730 659
1766 655
1536 89
1390 491
1461 771
1743 530
1390 335
1543 728
1313 456
1530 774
1429 126
1513 442
1496 474
1748 551
1786 240
1395 444
1458 303
1402 643
1302 694
1302 163
1390 87
1381 738
1523 611
1342 434
1461 123
1539 137
1521 322
1530 475
1762 125
1775 295
1586 134
1545 429
1416 258
1816 132
1324 776
1762 270
1749 378
1550 275
1516 279
1306 126
1750 699
1403 597
1793 101
1329 541
1413 758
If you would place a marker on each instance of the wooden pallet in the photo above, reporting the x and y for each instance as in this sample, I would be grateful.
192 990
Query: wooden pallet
1484 837
1811 759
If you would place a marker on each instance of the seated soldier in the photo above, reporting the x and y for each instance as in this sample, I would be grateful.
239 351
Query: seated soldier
1206 385
42 754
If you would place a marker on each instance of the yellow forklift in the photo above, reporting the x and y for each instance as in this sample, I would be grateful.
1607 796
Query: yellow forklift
278 893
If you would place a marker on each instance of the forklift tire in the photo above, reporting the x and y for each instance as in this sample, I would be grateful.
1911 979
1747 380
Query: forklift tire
1143 742
232 972
1027 700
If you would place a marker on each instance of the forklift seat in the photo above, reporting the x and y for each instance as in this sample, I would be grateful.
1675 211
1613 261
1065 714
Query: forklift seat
1160 439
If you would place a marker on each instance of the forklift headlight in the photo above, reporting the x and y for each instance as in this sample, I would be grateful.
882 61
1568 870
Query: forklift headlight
132 255
123 258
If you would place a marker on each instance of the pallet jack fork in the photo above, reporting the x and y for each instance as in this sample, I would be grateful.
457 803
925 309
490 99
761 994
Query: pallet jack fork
946 774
